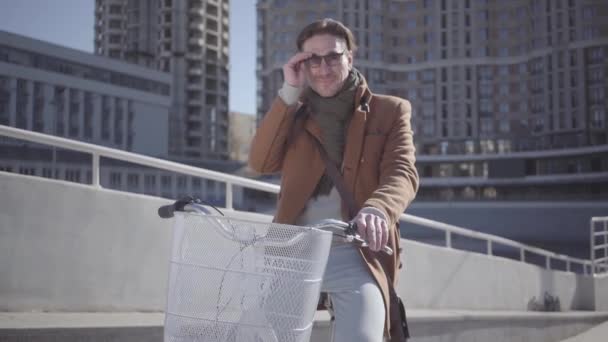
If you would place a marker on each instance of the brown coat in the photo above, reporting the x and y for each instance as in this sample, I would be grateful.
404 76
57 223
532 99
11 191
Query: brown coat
378 167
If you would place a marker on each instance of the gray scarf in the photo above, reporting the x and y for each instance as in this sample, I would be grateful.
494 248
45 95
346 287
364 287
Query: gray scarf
333 114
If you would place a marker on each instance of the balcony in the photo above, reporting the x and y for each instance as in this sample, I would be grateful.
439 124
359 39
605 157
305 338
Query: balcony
196 24
195 71
195 102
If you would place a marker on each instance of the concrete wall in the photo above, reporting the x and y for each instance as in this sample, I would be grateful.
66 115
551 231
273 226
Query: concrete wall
601 292
69 247
435 277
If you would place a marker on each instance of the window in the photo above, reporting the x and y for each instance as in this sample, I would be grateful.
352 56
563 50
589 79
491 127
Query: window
428 128
504 146
504 126
150 182
428 92
597 94
485 106
133 180
115 180
598 118
504 89
482 16
196 184
115 24
428 75
181 182
413 94
485 90
115 39
115 9
428 110
487 126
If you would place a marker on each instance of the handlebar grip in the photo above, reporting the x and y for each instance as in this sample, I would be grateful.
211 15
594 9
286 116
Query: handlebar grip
352 229
363 243
166 211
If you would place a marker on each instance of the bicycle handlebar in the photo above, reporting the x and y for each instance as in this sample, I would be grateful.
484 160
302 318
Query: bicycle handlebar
166 211
349 229
185 204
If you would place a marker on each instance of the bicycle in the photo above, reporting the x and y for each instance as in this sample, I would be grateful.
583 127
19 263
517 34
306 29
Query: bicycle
239 280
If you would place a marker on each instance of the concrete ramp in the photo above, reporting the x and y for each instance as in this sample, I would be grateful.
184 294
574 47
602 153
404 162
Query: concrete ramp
87 264
426 326
599 333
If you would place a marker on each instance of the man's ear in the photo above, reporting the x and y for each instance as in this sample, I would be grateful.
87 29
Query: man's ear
350 60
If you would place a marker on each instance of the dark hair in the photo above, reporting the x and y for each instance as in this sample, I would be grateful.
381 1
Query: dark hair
327 26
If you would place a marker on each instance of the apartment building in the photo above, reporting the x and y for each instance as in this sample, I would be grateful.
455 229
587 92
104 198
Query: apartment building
56 90
189 40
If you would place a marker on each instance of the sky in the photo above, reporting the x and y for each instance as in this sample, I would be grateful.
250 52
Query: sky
70 23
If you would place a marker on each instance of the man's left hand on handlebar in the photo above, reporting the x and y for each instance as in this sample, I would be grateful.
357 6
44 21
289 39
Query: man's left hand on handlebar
372 227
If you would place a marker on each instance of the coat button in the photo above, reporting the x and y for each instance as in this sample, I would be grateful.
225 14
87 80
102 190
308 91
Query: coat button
362 160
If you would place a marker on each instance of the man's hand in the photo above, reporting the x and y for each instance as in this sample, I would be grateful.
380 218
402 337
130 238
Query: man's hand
372 227
293 71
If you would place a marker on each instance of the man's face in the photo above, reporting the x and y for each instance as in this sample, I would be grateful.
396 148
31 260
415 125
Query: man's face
326 75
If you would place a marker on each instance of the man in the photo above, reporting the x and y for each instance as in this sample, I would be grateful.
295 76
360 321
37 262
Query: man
369 138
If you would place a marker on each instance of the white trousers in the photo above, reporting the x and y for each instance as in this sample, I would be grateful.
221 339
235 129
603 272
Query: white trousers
356 299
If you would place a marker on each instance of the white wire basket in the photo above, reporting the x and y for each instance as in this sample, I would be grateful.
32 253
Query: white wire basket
235 280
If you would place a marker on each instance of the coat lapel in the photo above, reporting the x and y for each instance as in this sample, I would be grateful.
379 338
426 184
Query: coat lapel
313 128
355 135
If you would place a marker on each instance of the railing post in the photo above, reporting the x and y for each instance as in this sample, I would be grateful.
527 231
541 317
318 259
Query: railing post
603 264
522 254
592 244
229 195
567 265
448 239
548 262
490 247
95 170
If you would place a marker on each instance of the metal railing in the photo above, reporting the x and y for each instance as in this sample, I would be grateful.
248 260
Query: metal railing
230 181
492 240
97 152
599 249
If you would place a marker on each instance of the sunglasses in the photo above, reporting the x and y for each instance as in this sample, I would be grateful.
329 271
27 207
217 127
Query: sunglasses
331 59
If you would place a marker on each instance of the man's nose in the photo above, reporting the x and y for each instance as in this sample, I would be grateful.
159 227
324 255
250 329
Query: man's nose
324 68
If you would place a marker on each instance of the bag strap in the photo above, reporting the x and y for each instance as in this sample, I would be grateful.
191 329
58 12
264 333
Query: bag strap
400 331
336 178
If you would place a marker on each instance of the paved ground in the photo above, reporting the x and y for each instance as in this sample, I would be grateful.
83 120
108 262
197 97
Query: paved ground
42 320
596 334
146 327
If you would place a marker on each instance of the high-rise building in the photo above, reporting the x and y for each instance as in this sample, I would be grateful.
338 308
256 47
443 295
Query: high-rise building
188 39
508 97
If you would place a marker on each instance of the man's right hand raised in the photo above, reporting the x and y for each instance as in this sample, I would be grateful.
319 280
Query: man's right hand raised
293 70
